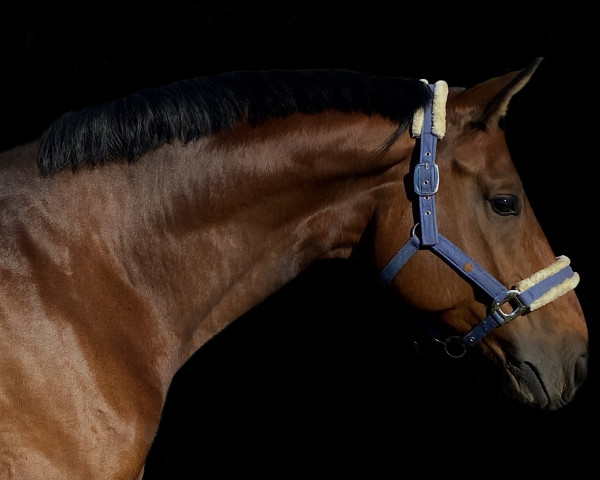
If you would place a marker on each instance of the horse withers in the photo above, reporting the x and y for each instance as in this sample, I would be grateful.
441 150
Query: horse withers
133 232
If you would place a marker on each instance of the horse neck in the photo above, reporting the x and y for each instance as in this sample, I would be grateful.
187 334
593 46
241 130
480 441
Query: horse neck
190 237
242 213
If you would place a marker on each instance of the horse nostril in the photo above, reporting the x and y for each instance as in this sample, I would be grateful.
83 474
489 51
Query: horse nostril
581 370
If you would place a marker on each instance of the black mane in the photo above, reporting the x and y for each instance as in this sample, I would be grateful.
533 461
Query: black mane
129 127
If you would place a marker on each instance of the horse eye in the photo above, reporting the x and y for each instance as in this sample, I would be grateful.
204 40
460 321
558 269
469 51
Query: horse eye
505 205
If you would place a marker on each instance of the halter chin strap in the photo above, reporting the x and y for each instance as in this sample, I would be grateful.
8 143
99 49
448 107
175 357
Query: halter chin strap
529 294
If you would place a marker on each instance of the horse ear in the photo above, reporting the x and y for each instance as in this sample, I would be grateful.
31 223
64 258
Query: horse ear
487 102
513 83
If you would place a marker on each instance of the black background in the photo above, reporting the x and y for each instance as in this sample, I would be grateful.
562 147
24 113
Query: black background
329 378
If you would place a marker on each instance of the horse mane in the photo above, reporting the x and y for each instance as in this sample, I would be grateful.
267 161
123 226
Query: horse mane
143 121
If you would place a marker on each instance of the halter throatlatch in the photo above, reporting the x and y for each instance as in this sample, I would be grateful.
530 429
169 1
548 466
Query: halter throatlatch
529 294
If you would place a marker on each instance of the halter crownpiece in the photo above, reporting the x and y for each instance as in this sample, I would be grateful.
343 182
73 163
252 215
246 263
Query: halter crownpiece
429 125
438 112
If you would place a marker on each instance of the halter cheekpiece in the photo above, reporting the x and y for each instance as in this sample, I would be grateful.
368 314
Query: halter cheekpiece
429 125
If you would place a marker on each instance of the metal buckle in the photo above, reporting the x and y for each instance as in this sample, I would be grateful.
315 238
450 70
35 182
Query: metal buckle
511 295
426 179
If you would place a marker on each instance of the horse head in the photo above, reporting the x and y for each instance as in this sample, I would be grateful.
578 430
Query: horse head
483 211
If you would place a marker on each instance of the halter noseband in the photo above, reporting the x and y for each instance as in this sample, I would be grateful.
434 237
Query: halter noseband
529 294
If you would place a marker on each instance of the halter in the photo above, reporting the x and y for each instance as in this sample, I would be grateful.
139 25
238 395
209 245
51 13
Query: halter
527 295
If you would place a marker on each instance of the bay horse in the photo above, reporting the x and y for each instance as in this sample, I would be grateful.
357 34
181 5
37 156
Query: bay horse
135 231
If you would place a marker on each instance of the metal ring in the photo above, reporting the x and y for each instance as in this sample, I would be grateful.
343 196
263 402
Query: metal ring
455 343
414 229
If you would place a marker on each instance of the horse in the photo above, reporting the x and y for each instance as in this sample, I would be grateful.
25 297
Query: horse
133 232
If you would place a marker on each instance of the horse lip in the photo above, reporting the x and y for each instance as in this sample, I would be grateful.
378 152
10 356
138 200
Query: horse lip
528 384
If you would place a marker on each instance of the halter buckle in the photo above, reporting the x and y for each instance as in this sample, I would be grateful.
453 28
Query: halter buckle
426 179
518 306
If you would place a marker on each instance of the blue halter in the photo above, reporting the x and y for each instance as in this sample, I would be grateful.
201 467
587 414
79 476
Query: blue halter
426 182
